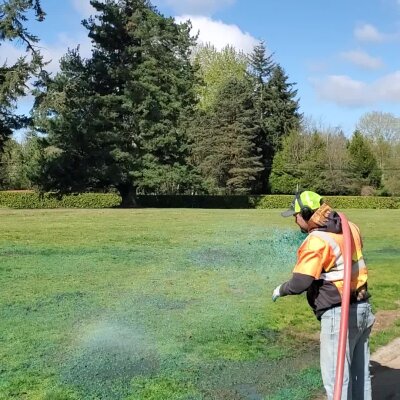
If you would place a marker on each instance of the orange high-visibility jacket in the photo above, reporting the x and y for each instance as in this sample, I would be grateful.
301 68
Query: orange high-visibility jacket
320 270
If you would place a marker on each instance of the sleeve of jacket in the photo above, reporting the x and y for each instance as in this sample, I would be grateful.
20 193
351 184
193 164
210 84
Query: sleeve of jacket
310 260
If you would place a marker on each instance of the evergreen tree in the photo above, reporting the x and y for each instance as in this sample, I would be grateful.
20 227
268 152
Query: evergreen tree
13 78
362 163
151 83
282 108
277 109
125 125
260 68
282 114
225 148
77 155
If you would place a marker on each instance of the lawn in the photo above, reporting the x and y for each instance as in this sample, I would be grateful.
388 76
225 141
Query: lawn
165 304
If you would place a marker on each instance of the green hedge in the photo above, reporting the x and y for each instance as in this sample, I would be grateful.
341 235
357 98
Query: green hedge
198 201
264 202
338 202
363 202
272 201
30 199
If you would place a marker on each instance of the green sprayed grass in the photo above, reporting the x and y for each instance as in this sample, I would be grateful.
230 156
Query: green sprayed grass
164 304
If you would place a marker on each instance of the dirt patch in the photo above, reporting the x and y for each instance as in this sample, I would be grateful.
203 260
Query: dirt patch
385 319
389 355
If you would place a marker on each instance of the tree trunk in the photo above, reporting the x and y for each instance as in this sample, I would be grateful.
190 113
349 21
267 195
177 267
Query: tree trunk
128 195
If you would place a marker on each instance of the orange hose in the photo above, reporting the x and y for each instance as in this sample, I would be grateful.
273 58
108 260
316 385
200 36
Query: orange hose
344 318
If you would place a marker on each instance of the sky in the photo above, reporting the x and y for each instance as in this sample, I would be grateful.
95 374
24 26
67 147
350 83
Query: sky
342 55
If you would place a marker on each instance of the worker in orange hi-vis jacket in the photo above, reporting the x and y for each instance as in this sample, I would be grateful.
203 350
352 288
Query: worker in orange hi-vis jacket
319 271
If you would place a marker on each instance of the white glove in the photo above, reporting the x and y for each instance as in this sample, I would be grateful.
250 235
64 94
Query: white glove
276 293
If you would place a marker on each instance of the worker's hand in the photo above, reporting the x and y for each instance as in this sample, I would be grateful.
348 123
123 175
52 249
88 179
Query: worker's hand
276 293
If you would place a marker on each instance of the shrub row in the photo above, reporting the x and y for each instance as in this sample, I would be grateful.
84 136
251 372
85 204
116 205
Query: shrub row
263 202
266 202
363 202
30 199
338 202
198 201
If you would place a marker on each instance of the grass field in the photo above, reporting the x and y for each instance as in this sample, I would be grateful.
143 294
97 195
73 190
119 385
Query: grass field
165 304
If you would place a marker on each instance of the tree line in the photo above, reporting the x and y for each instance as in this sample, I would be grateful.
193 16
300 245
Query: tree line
154 112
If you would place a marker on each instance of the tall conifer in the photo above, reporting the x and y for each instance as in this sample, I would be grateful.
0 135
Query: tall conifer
226 150
140 85
14 78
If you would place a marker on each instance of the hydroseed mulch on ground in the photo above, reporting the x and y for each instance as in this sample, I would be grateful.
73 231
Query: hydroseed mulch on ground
152 304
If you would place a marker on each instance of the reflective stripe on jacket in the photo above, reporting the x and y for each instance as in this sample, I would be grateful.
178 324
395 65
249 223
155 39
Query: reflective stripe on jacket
320 270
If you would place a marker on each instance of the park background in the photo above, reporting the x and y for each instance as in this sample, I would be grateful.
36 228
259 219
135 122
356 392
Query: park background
145 106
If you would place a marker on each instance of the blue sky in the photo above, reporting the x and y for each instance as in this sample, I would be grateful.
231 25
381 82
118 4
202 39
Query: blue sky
343 55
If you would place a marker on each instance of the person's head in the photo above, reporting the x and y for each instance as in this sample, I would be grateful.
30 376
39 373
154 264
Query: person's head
303 207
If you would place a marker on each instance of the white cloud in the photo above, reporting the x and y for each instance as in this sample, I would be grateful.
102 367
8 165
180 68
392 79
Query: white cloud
368 33
10 53
83 7
342 90
345 91
362 59
196 7
388 87
219 34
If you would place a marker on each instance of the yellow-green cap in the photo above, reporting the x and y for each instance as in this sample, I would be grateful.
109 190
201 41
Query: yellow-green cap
307 199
